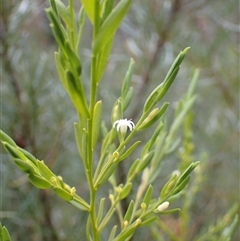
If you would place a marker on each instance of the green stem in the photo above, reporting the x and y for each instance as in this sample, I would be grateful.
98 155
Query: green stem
93 93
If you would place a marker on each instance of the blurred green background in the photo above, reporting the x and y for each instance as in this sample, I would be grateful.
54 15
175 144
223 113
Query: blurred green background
37 113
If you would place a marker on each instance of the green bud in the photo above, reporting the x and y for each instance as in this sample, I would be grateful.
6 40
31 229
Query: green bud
39 181
138 222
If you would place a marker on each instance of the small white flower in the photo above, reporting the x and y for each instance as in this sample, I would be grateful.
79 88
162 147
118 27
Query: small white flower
123 124
163 206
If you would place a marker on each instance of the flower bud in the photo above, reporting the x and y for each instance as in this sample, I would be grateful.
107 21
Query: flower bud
73 191
163 206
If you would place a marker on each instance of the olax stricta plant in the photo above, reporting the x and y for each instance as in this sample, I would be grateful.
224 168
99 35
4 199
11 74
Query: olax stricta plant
117 143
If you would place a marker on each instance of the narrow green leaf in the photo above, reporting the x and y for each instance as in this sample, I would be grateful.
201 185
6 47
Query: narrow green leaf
154 116
127 188
63 194
39 181
64 14
132 171
58 30
77 95
186 173
181 185
168 187
84 146
113 233
129 151
152 99
152 140
110 25
73 58
231 229
127 79
79 204
97 113
107 8
61 70
105 174
129 212
117 111
13 151
78 136
148 196
107 141
167 84
128 98
54 6
103 59
100 210
126 234
4 234
145 161
81 19
89 6
44 170
6 138
180 117
28 155
176 64
174 210
24 166
193 83
148 221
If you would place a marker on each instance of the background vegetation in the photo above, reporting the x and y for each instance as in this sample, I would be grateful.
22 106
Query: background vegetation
37 112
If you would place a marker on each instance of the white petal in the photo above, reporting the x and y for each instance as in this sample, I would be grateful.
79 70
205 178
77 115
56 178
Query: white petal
115 123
